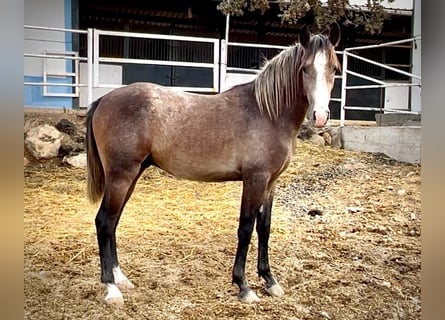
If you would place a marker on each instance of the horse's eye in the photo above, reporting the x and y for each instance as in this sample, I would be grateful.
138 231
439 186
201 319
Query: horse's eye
305 69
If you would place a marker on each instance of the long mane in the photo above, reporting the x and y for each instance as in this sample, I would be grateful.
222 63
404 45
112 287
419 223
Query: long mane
279 84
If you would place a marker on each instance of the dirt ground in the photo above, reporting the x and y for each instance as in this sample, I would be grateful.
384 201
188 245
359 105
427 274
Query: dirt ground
359 259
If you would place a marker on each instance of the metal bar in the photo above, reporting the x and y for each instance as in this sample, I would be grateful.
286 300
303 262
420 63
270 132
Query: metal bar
379 109
48 56
224 55
243 70
194 89
343 89
216 69
90 67
158 62
95 58
384 44
66 74
384 66
55 29
363 76
154 36
223 73
55 84
386 85
254 45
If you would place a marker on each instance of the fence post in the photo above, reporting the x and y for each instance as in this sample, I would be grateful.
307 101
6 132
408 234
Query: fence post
223 73
216 69
343 88
96 58
90 66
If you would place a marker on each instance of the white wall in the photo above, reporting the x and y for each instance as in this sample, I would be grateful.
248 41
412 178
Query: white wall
397 4
47 13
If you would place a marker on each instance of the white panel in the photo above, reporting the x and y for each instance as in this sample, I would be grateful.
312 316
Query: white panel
109 74
232 79
397 98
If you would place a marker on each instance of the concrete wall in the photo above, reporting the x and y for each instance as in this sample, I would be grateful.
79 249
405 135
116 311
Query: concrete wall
400 143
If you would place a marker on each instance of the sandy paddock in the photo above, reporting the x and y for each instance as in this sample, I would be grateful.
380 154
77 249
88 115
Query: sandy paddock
359 259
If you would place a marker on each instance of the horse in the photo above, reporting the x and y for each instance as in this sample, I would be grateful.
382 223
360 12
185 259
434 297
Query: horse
246 133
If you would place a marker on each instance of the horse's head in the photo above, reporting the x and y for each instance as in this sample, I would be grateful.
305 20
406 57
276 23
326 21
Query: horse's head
318 71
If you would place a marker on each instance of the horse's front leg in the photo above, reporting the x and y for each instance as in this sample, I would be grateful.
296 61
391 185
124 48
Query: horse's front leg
254 191
263 230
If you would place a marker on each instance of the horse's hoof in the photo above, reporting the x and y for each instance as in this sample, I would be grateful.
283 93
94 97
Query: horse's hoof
275 291
249 297
114 302
125 285
114 296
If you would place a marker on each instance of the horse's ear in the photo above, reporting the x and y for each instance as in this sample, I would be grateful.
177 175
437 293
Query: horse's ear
305 35
333 33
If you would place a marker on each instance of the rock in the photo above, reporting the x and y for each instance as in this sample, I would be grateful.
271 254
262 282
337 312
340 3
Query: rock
306 130
43 142
327 138
315 212
78 161
354 209
25 162
66 126
334 132
317 140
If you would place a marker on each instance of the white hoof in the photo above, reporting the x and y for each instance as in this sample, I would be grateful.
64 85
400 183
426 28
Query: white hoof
275 291
114 296
125 285
121 280
114 302
250 297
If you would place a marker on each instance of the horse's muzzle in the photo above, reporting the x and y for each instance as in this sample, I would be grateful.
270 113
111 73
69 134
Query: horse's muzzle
320 118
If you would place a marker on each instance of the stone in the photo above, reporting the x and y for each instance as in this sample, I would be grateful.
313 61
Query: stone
335 134
327 138
317 140
78 161
66 126
306 130
43 142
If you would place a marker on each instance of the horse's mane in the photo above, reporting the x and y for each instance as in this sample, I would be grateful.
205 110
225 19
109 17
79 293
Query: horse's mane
279 84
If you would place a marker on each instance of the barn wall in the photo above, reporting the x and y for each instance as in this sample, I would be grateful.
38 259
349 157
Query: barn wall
47 13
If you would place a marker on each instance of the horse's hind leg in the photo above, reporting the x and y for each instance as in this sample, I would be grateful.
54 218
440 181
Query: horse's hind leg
263 230
119 185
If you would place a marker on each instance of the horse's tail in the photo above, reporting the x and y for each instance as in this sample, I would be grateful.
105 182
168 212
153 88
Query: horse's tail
95 175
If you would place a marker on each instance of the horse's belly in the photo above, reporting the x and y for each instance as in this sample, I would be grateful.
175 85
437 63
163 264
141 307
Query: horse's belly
200 168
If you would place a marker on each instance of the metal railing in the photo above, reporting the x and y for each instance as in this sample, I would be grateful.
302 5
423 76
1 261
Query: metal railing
249 73
48 55
220 67
378 83
98 59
